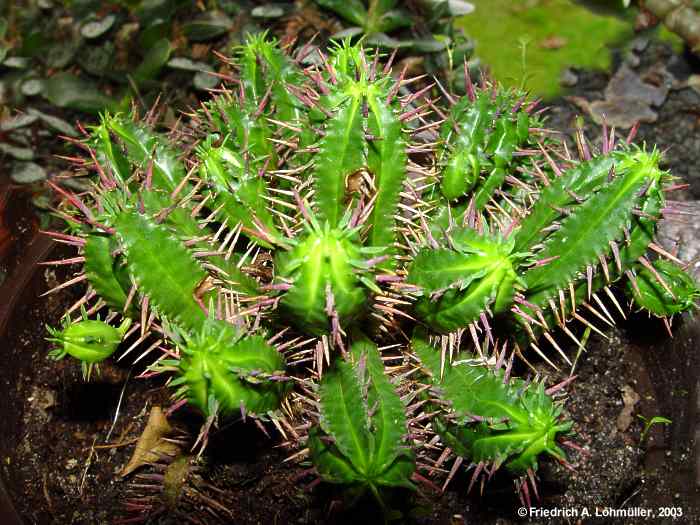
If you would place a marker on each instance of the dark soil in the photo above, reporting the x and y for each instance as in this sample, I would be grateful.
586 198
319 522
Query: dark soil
677 129
54 422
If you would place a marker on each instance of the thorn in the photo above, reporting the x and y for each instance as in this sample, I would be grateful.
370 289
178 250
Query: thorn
676 187
389 63
589 279
604 266
609 320
58 262
612 298
449 97
541 354
531 475
590 325
551 162
563 384
477 471
509 368
658 249
667 324
545 261
605 149
660 279
549 338
633 281
455 467
526 492
487 327
416 95
574 446
75 280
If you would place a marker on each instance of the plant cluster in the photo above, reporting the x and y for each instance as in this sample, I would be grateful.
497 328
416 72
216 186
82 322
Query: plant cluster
363 265
427 29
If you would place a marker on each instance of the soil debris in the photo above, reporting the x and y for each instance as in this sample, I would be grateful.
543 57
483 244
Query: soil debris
153 442
630 398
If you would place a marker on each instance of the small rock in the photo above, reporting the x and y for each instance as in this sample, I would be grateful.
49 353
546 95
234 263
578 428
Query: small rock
627 84
683 236
568 78
632 59
622 112
640 43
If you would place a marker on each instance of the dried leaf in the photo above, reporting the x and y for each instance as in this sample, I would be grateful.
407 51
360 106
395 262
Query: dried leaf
554 42
152 444
629 398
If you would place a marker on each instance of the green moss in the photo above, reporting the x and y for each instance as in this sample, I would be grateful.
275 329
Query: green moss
500 27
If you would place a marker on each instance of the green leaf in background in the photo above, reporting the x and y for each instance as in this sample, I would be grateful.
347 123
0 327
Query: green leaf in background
56 123
393 20
66 90
16 62
430 45
32 87
351 10
3 30
16 152
268 11
152 33
207 26
17 122
97 60
453 7
202 78
347 32
384 40
187 64
153 61
27 173
97 28
61 54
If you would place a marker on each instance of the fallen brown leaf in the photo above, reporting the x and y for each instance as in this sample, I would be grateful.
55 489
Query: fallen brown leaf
152 442
554 42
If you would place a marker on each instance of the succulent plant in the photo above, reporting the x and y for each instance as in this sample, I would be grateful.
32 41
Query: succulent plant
492 418
221 372
325 207
663 289
88 340
360 440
